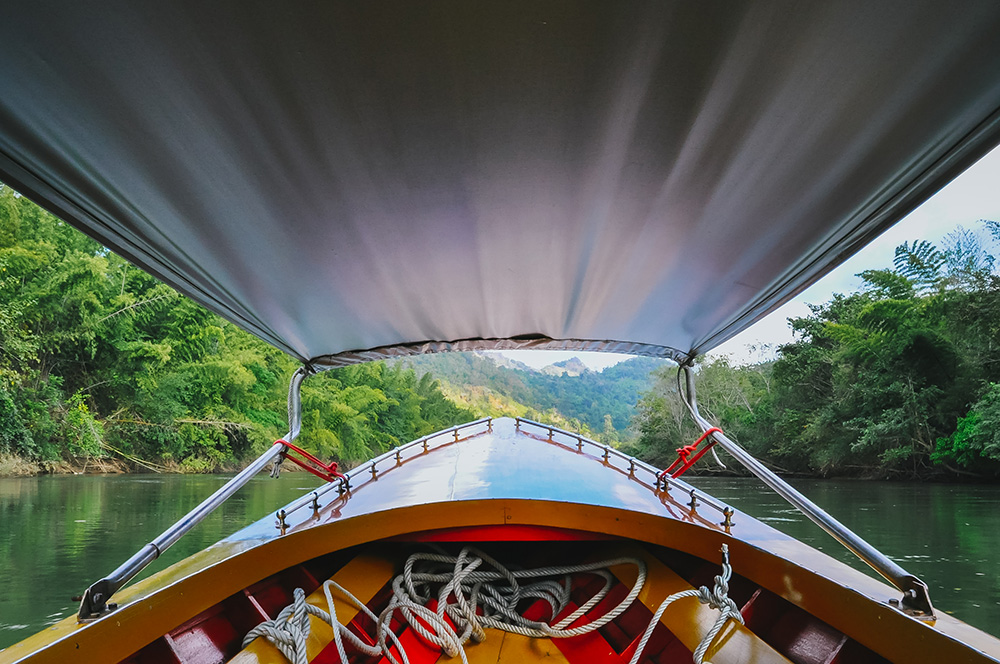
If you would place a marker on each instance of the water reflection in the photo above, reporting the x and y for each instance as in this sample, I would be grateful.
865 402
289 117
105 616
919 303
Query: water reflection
947 535
60 534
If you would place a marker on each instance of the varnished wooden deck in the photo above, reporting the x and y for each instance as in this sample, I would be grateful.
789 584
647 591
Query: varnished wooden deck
504 484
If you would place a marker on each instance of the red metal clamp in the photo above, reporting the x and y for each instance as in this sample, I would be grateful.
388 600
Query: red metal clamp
327 472
688 455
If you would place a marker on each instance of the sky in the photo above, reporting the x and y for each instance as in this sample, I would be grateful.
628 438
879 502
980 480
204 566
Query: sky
972 196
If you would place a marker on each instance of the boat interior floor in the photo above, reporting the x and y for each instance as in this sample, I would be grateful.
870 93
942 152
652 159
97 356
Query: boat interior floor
775 630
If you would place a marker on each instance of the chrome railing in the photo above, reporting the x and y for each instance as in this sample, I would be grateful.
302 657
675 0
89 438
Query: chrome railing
343 484
95 601
396 456
916 600
659 480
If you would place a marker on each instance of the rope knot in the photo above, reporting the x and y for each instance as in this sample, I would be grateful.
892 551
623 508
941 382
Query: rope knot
473 592
288 631
718 597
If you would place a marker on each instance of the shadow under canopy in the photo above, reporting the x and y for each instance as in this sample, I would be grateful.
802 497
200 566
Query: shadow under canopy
351 181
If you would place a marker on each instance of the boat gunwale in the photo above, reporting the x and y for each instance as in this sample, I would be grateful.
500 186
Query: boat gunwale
845 598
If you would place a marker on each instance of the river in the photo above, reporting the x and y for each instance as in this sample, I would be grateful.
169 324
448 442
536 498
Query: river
62 533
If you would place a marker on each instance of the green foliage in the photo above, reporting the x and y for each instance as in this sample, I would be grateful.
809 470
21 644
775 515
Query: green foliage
561 398
919 262
14 435
878 382
88 440
96 355
900 379
976 439
734 396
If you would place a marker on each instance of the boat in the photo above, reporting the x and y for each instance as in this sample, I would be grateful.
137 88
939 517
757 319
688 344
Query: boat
353 182
488 486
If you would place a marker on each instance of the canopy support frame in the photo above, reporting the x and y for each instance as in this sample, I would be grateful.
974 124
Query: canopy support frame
916 600
96 600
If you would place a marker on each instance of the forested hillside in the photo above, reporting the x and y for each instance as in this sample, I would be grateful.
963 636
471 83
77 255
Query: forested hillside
901 379
100 360
598 403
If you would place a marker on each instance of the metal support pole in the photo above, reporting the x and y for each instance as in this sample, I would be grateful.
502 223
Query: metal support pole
95 599
916 599
295 401
294 413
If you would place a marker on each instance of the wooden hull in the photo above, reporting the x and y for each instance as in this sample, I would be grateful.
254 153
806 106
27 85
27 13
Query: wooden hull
522 498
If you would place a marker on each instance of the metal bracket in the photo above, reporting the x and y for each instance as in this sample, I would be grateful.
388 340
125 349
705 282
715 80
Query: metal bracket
94 603
916 600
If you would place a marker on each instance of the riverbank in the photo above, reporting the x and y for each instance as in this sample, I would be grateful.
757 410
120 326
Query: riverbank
14 466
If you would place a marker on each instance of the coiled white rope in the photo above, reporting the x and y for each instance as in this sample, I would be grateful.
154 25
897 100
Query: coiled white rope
476 592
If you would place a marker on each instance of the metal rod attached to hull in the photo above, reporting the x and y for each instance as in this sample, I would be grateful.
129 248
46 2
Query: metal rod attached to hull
916 600
95 600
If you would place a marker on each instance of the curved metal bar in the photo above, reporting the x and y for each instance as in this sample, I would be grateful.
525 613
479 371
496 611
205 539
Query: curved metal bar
95 599
524 342
344 484
634 463
295 401
916 599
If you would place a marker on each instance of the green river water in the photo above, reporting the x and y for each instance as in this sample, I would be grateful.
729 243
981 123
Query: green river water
59 534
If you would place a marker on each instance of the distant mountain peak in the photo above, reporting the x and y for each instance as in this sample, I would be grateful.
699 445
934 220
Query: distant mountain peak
502 360
574 366
493 384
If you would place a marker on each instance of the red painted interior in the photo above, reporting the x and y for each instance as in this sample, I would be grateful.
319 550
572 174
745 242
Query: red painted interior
216 634
512 533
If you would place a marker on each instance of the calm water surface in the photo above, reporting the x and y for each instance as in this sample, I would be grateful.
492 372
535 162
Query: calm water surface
59 534
62 533
946 535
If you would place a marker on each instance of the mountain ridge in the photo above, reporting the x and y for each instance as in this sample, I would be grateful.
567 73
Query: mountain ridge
565 393
574 366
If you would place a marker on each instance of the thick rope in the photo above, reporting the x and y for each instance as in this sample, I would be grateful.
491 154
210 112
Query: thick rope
475 592
289 629
717 598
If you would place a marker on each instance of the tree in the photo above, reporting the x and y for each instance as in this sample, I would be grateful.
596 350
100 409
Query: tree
897 379
975 443
99 358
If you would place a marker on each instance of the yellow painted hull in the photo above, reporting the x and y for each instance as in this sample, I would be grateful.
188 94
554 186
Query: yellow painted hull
501 485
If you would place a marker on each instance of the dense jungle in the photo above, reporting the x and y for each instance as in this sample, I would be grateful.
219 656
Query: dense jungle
101 362
102 367
897 380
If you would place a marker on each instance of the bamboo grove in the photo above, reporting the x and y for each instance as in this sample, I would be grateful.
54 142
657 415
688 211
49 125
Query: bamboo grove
100 360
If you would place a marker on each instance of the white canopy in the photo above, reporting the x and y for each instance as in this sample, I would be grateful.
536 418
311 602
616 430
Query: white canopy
353 179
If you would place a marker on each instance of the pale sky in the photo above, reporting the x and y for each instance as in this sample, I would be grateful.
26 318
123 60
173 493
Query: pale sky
543 358
972 196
